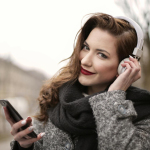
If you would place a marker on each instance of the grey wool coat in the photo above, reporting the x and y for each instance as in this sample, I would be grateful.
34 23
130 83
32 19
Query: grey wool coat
115 128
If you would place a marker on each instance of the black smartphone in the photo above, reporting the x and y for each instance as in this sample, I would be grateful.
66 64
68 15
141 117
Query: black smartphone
16 116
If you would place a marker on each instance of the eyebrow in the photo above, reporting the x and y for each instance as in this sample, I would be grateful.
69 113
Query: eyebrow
97 49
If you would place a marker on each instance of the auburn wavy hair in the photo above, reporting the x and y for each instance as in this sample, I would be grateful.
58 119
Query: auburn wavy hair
126 41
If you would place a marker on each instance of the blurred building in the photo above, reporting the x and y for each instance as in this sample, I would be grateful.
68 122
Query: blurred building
16 82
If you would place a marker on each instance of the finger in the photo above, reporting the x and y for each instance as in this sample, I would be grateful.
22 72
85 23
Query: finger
134 73
131 58
134 67
8 117
130 63
137 75
29 120
135 61
25 143
17 126
128 67
23 133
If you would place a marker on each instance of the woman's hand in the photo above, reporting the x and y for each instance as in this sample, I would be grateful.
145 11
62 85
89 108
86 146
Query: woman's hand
21 136
130 75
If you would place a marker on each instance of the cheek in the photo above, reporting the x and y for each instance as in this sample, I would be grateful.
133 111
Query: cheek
81 55
109 68
100 68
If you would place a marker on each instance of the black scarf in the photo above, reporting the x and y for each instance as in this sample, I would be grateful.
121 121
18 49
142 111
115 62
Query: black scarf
74 115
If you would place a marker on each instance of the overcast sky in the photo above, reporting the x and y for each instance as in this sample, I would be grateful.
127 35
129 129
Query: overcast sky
39 34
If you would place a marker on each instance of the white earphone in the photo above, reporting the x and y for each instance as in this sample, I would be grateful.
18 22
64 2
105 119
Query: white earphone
140 41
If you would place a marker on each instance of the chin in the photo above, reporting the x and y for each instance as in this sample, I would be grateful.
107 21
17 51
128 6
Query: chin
84 82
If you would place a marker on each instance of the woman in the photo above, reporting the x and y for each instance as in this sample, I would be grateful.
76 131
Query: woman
88 105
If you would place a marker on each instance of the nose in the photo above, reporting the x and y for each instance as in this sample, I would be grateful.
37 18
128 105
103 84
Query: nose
87 59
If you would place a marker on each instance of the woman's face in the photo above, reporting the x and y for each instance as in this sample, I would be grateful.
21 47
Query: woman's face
99 61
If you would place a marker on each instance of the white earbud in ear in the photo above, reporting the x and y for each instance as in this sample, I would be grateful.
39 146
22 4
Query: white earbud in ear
120 68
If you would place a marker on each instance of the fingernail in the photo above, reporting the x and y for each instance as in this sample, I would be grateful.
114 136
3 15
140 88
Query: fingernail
130 56
31 128
28 117
23 122
42 134
4 107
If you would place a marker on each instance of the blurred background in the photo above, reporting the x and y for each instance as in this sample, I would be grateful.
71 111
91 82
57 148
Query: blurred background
36 35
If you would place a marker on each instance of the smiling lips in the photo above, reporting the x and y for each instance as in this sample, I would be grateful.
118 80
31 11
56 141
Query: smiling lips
85 72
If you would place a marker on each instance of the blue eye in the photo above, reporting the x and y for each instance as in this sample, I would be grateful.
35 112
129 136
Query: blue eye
85 47
102 55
